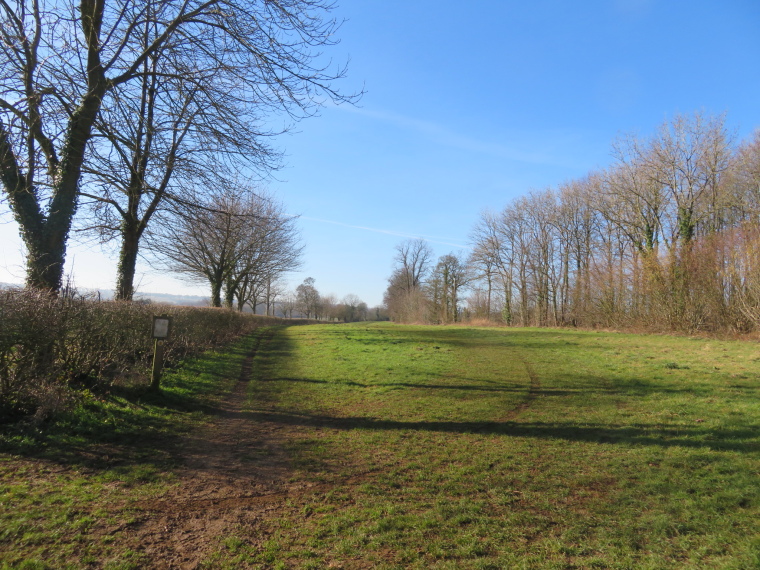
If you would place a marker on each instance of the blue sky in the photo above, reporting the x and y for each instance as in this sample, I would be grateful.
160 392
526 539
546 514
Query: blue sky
469 105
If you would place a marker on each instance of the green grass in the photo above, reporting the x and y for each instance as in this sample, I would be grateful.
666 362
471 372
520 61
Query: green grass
426 447
65 486
454 447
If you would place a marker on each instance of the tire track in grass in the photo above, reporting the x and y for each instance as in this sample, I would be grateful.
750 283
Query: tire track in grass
534 390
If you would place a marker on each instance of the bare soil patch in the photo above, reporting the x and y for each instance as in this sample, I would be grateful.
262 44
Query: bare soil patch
232 474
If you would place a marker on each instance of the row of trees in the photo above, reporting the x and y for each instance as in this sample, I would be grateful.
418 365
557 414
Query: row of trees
116 116
667 237
241 243
419 291
306 301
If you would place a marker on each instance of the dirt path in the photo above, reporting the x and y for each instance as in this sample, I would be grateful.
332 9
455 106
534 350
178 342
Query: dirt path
233 473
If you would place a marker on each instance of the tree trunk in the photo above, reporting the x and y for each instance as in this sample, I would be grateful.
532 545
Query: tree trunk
216 293
229 294
125 278
47 254
46 236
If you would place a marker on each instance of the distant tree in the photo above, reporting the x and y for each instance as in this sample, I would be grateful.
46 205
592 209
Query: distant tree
413 258
378 313
270 248
274 290
234 243
405 297
330 308
289 304
308 298
664 238
352 308
493 257
447 281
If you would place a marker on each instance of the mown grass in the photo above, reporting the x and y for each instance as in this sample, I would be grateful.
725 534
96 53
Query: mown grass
453 447
64 485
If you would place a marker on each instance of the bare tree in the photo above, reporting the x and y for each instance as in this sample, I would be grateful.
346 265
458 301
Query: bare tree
203 244
235 243
744 180
274 290
331 309
484 263
413 258
448 279
686 159
404 297
289 304
493 254
60 61
270 247
577 224
651 241
154 144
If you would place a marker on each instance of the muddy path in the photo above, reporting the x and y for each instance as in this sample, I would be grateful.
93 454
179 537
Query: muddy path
232 474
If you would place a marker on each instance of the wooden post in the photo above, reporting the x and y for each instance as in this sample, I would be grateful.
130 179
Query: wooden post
162 325
158 364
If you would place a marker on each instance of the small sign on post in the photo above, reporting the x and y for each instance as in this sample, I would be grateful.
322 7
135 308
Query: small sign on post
162 325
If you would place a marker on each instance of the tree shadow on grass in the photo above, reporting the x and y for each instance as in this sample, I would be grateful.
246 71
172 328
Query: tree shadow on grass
133 427
742 438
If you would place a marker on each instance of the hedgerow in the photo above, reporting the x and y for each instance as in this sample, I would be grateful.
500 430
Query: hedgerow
50 347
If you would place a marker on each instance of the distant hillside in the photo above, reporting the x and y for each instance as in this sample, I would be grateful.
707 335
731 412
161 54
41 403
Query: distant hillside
187 300
105 294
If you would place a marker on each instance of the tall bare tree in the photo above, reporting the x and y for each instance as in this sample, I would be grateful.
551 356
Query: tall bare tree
448 278
62 60
413 258
308 298
270 247
687 159
661 239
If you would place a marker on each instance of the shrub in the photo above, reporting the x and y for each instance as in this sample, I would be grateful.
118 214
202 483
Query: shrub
53 345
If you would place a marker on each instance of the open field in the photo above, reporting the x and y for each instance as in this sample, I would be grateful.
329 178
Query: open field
385 446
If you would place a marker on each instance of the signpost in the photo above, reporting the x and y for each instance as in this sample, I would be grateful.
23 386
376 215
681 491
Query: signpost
162 325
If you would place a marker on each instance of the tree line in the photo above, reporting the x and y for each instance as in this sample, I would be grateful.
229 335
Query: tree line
132 121
665 238
419 291
306 301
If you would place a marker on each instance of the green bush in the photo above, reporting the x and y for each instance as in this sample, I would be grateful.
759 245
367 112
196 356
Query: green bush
51 346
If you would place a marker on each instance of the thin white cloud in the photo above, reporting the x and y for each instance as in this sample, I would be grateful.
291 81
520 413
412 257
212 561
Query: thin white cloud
431 239
520 152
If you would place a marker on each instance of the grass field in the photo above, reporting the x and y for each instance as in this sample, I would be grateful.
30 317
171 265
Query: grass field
445 447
